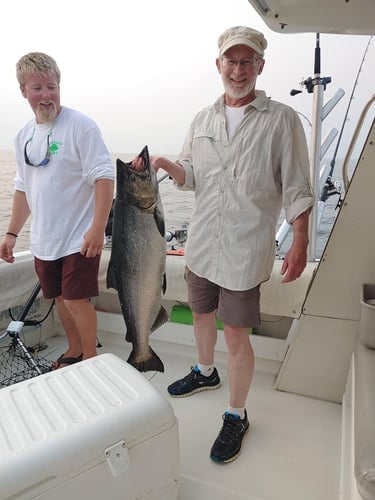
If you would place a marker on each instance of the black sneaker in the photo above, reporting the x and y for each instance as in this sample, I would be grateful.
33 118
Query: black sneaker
194 382
227 445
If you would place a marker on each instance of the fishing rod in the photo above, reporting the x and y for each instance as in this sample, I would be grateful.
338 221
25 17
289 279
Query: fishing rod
316 85
329 188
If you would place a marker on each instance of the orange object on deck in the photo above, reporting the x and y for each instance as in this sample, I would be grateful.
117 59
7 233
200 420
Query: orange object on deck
173 251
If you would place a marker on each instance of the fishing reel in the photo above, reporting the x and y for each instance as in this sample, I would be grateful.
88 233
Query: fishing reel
331 188
310 83
180 235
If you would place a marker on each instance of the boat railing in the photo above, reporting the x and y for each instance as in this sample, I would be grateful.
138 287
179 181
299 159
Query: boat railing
354 140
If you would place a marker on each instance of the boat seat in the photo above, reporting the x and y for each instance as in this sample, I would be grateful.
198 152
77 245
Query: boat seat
17 282
277 298
364 418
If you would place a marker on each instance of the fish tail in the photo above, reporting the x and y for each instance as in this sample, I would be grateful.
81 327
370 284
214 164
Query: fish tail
153 363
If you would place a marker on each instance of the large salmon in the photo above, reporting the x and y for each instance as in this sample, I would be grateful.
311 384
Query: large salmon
137 265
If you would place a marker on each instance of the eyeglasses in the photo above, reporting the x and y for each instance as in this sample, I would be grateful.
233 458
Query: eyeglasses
250 62
46 159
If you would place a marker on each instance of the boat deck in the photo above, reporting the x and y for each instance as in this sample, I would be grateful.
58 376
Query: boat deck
292 451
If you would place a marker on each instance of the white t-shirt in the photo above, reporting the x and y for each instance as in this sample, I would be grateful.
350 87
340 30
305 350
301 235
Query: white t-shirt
61 193
233 117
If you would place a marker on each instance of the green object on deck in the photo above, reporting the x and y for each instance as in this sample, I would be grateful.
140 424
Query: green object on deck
182 314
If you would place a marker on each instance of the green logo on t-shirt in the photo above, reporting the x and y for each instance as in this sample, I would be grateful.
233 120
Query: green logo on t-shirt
53 147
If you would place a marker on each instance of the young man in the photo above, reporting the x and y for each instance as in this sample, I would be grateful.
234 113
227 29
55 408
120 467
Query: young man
245 157
65 181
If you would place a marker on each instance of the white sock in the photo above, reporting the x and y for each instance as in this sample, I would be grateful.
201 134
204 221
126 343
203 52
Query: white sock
236 411
206 370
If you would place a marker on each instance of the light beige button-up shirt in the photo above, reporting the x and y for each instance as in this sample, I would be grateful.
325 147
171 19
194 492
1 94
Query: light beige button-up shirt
240 186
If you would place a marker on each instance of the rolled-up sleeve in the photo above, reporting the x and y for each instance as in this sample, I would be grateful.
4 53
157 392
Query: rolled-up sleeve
189 184
97 162
185 160
298 195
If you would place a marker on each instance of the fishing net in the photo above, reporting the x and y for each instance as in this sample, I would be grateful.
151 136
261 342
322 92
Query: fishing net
18 361
17 365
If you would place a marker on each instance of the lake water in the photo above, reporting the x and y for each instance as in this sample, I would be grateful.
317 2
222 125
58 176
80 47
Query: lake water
177 205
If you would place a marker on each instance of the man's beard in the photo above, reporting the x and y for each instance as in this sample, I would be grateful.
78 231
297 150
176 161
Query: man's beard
236 93
46 115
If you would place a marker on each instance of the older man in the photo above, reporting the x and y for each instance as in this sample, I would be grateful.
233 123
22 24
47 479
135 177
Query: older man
245 157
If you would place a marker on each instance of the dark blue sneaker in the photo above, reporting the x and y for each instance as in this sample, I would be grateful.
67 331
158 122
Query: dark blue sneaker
194 382
227 445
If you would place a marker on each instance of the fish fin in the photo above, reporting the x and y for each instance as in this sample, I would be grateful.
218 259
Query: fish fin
164 285
128 336
111 277
153 363
161 318
159 219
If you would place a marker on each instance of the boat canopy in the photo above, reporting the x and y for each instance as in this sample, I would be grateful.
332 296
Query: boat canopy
351 17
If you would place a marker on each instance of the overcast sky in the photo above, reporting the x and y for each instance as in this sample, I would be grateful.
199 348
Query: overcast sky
143 69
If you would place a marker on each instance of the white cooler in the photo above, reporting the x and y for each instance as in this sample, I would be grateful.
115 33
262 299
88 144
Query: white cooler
96 430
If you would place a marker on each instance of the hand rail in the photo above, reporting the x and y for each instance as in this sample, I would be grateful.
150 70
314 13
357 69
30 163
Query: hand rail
353 141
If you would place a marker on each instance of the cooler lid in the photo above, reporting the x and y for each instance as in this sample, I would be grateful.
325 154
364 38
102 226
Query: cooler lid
58 421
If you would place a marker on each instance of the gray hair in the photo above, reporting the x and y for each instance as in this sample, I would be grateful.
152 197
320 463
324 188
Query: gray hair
36 62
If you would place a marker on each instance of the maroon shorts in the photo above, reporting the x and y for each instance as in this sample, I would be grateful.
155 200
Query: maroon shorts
74 276
235 308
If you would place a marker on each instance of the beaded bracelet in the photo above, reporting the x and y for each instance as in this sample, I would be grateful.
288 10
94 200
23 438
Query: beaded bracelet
12 234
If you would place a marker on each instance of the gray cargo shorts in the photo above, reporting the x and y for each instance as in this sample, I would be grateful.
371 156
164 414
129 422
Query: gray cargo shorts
234 307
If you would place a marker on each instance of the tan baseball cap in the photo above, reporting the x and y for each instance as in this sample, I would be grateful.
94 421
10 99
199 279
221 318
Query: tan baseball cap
242 35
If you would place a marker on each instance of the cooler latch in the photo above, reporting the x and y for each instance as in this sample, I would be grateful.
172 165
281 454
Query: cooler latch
117 457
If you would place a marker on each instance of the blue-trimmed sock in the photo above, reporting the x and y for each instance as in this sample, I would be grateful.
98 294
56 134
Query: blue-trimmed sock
240 412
